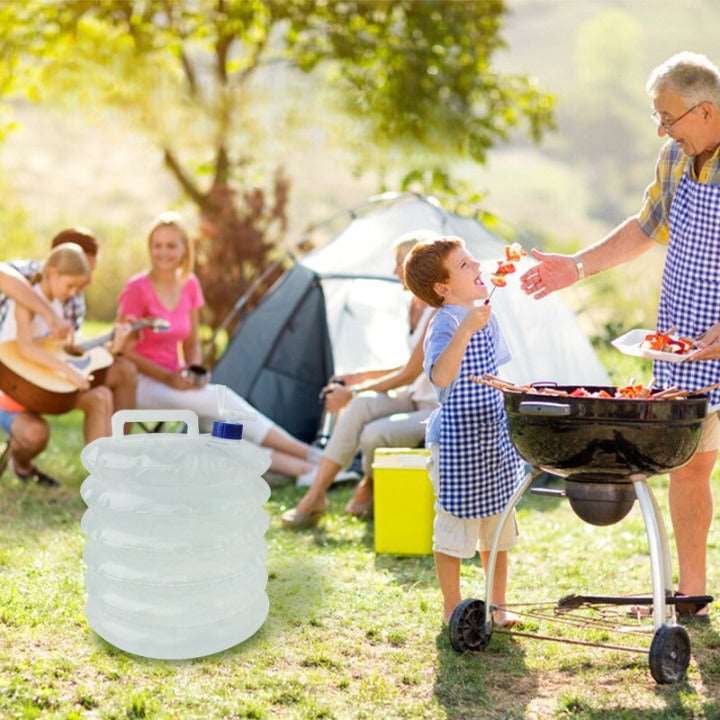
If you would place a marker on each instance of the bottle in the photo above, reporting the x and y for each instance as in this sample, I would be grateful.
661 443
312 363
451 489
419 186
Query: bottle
175 547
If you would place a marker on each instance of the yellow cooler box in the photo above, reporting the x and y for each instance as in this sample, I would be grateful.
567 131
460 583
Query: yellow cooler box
403 502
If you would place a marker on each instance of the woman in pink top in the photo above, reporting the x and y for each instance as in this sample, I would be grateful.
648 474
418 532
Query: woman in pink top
171 291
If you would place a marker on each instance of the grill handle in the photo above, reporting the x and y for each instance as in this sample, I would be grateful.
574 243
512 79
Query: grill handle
548 409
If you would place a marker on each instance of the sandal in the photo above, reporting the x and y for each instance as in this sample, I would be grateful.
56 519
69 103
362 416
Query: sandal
510 621
34 474
361 508
687 613
297 519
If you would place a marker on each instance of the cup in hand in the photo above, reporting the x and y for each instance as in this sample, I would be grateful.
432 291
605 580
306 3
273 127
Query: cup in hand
197 374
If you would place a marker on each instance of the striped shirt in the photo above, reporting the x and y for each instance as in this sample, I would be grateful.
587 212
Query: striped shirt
672 163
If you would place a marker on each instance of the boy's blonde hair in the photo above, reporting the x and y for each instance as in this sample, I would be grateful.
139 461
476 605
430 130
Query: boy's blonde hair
425 266
173 219
67 259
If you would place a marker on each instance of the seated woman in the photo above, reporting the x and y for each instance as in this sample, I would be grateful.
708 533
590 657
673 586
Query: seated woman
64 273
375 418
170 290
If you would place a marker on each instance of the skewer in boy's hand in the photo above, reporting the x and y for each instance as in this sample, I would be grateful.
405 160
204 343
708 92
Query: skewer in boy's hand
476 319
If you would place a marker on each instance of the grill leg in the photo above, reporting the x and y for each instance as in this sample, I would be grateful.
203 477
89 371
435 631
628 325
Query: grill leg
507 511
659 547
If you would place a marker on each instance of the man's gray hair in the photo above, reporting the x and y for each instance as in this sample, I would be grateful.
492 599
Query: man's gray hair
690 75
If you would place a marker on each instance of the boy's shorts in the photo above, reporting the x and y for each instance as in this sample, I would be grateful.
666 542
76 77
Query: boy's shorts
710 438
463 537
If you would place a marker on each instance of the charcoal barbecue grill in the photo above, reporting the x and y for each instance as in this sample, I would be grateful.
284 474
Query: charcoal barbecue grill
606 449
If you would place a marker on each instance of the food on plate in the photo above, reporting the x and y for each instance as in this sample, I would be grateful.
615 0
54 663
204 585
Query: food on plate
665 342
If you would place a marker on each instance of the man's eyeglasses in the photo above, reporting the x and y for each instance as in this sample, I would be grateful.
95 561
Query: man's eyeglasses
667 124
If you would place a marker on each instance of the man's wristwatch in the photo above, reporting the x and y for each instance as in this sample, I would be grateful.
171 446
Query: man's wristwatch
580 269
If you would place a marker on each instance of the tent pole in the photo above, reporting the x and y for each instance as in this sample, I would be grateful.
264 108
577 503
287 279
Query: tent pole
242 301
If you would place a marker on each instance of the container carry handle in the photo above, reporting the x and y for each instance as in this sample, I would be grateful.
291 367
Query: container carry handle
137 416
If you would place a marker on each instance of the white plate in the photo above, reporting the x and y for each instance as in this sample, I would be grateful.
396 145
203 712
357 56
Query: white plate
631 344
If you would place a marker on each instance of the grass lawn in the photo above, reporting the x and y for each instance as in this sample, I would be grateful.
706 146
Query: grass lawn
349 635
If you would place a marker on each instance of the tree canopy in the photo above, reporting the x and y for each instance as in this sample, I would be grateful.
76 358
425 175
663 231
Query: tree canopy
415 79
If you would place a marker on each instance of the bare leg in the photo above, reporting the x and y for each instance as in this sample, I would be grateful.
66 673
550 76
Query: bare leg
97 405
279 439
499 584
691 510
122 378
29 437
447 569
288 464
314 498
361 502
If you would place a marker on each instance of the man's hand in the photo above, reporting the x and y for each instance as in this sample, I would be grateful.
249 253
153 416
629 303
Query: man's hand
476 319
553 272
336 397
351 378
121 334
708 344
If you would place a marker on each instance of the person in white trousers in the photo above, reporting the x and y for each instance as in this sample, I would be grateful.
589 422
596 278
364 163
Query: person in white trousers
374 418
169 290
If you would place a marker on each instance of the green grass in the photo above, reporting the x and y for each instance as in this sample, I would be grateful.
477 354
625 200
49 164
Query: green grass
349 635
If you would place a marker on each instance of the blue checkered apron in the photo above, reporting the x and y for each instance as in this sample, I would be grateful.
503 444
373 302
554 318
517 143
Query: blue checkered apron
478 465
690 295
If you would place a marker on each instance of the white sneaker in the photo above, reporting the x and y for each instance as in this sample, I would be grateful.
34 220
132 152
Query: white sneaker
307 479
347 476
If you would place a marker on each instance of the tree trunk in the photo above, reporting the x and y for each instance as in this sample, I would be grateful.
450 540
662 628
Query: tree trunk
237 235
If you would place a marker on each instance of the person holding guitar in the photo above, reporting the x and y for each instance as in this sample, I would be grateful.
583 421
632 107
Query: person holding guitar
165 361
65 272
121 376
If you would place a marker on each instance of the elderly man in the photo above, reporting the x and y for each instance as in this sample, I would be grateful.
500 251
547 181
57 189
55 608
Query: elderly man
681 209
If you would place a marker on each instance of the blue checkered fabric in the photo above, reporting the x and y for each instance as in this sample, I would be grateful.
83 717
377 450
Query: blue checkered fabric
690 295
478 467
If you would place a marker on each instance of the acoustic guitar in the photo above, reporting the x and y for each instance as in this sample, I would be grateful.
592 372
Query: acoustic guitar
40 389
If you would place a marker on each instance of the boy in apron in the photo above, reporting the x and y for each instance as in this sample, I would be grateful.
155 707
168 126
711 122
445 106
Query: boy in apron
474 466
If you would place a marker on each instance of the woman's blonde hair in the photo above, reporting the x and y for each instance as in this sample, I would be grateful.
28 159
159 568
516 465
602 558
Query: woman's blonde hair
67 259
173 219
407 241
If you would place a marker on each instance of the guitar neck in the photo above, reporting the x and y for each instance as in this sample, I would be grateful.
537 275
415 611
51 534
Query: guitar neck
102 339
95 342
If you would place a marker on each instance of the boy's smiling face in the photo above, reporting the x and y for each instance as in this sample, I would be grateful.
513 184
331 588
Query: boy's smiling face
464 284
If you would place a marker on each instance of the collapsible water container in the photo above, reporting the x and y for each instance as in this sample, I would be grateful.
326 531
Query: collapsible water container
175 537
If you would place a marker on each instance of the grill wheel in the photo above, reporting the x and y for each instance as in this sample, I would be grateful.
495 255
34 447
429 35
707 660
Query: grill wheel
467 626
669 654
